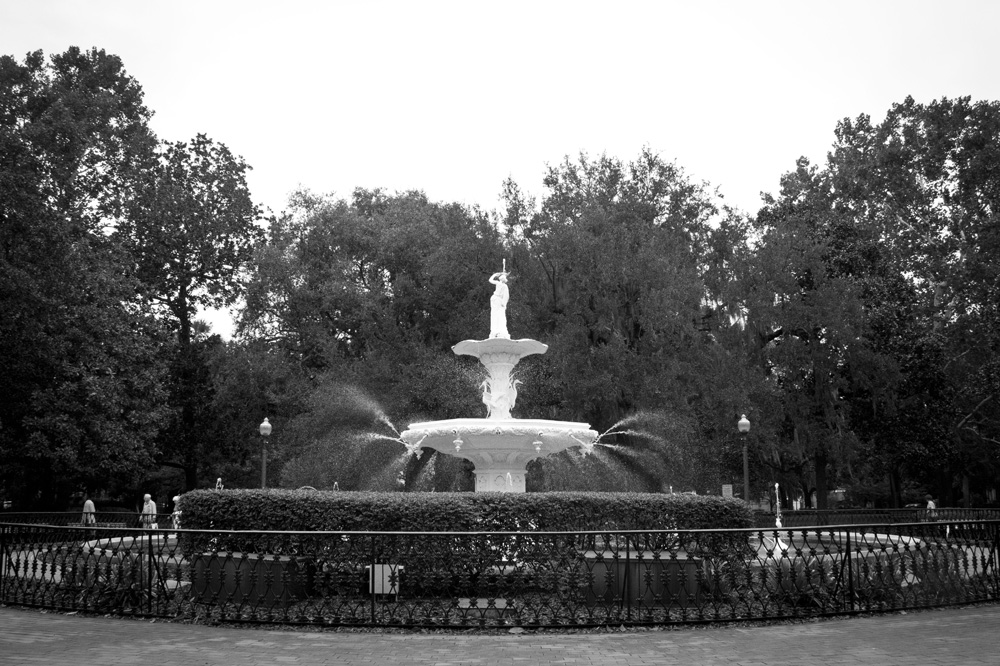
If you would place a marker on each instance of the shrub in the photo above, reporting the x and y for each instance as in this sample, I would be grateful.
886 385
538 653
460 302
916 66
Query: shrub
298 510
437 563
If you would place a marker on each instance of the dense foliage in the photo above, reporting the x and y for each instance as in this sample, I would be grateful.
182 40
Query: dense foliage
878 314
83 391
854 318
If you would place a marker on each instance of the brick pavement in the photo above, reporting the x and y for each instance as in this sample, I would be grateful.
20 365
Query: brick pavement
956 637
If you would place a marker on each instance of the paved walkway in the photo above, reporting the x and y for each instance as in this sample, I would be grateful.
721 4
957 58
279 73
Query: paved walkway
956 637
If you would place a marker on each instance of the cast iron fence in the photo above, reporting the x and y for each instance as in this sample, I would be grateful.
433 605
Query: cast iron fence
101 518
474 579
811 517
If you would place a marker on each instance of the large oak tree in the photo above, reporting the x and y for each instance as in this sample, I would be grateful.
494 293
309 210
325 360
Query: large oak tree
190 227
83 394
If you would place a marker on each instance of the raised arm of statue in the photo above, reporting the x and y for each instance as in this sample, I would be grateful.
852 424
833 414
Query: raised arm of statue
500 280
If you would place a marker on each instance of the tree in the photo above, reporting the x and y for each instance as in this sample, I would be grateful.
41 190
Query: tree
903 215
247 381
78 410
621 260
340 279
191 227
804 311
924 181
365 297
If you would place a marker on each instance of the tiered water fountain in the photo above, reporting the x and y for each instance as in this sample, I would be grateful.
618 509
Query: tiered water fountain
499 446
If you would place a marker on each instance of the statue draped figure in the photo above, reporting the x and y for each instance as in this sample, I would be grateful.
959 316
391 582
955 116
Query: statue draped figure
498 306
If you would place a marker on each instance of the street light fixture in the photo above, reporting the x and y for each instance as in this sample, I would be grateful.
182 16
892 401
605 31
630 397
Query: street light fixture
744 427
265 430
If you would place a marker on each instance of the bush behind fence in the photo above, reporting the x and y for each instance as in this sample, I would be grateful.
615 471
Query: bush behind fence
498 579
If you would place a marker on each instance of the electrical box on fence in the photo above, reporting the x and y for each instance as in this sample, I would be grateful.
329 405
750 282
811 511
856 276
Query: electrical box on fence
384 579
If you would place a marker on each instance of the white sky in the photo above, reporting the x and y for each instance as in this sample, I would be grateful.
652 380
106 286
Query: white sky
454 97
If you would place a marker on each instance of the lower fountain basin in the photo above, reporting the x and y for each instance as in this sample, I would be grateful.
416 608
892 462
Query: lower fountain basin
499 448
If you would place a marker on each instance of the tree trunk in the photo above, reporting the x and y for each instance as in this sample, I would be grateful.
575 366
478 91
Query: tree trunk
946 493
785 499
946 490
895 489
190 477
186 380
821 460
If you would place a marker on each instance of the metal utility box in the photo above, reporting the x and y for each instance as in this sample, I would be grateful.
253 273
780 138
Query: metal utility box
384 579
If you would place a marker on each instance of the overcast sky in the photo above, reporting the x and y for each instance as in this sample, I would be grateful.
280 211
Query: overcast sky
453 97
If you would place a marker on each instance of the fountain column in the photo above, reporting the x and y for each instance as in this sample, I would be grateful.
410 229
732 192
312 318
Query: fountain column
499 356
499 480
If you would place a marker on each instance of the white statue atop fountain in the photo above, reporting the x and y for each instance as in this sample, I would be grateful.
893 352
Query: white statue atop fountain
500 445
498 305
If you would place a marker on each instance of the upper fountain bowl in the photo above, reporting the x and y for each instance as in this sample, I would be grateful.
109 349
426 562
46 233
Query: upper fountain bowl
516 349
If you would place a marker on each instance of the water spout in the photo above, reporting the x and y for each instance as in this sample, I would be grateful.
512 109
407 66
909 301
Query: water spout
374 437
414 447
586 448
610 432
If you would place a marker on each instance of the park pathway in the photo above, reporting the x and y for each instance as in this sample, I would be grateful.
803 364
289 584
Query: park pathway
956 637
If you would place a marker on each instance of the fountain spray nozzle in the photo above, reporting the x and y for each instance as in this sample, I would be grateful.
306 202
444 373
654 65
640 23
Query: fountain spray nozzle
586 448
414 448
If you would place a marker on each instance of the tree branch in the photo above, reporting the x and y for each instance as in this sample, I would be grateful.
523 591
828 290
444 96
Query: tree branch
974 410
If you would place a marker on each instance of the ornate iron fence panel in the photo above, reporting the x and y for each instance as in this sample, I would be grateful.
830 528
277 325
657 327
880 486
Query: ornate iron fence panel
821 517
529 579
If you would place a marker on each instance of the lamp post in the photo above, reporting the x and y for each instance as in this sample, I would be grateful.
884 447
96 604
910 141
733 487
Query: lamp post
265 430
777 505
744 427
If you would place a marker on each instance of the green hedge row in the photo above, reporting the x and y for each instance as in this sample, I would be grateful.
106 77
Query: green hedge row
309 510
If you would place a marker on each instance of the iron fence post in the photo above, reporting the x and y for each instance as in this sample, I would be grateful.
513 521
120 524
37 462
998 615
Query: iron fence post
995 558
371 579
850 571
628 572
149 573
3 563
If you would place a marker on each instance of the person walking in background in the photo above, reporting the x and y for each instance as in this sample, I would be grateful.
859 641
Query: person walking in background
148 516
89 512
175 517
931 507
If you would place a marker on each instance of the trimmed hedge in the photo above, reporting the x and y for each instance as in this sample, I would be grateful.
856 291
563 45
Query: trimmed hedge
301 510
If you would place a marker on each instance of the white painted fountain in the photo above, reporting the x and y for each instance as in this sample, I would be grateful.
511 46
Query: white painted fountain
500 446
